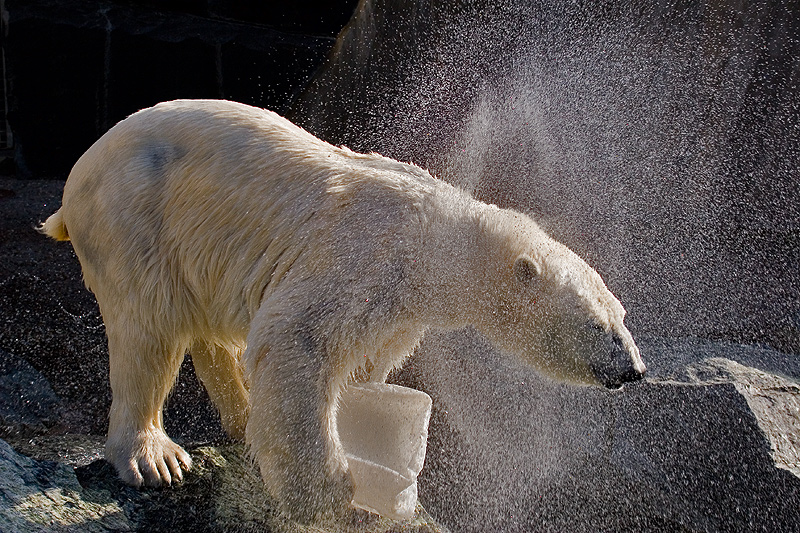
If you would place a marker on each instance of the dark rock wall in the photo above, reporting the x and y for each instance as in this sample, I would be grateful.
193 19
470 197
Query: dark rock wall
75 68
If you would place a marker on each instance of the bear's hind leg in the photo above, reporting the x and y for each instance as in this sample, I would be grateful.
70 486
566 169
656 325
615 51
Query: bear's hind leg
142 370
221 373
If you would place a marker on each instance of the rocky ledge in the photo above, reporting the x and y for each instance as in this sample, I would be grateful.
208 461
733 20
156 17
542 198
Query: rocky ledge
222 493
709 441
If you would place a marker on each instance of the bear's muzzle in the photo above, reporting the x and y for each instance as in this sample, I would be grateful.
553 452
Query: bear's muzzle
623 364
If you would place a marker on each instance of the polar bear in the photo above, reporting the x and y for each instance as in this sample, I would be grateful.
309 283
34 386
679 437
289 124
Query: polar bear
287 267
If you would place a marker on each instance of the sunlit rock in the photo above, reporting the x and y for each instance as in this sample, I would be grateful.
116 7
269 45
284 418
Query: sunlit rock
222 493
46 496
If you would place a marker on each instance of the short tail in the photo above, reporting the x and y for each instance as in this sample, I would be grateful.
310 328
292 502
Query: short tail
54 227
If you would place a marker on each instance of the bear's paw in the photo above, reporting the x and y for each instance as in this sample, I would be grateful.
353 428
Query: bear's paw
149 458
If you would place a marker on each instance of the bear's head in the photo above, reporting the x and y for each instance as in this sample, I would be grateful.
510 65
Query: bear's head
553 310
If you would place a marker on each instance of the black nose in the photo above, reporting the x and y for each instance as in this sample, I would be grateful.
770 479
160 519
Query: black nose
619 380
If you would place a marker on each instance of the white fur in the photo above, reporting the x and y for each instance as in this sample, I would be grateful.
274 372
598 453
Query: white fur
212 226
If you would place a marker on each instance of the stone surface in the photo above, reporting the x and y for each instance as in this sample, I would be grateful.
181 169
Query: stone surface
708 442
773 400
222 493
46 496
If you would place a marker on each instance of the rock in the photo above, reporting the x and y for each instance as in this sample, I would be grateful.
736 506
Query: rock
27 403
774 401
222 493
708 442
46 496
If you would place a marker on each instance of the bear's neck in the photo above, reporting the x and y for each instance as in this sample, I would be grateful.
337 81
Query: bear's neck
463 254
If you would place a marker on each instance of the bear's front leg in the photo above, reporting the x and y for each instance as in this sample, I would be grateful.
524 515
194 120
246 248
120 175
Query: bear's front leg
292 427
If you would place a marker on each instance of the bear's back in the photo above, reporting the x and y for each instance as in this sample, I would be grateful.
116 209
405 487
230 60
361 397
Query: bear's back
223 199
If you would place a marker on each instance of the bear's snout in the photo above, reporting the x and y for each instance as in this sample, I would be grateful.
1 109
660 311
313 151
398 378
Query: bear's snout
622 365
629 376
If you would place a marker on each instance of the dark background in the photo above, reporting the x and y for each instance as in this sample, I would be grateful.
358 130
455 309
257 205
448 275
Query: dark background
74 68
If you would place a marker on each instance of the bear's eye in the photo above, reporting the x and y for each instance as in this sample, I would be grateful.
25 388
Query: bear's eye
595 327
525 270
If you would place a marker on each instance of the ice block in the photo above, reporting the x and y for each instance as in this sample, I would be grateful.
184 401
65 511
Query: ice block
384 431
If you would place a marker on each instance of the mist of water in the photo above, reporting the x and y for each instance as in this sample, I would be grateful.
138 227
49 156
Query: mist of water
658 141
661 142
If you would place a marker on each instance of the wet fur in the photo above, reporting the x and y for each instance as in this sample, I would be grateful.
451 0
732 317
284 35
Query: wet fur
287 267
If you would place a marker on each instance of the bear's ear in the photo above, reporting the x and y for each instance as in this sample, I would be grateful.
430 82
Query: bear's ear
525 270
